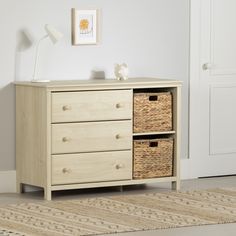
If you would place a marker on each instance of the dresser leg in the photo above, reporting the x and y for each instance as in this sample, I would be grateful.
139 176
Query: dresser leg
176 185
19 188
47 194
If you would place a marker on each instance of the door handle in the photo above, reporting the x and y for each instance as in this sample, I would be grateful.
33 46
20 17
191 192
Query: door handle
206 66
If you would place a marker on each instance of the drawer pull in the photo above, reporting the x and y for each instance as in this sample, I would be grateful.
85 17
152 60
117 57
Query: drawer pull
66 170
118 105
118 136
119 166
65 139
66 108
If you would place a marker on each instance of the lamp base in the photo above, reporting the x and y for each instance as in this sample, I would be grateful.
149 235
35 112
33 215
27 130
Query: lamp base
40 81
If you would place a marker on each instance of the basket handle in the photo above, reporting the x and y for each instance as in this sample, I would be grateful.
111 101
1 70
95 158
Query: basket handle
153 98
153 144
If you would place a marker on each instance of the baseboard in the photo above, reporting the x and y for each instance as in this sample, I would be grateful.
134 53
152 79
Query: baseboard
185 169
8 181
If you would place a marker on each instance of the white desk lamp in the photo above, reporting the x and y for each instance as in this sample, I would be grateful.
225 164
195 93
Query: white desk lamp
54 35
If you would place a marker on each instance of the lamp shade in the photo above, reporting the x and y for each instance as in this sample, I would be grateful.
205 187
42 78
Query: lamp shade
53 34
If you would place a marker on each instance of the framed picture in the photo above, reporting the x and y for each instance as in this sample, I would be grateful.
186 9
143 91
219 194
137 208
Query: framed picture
84 27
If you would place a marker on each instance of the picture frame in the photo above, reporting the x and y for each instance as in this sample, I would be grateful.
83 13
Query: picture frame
84 27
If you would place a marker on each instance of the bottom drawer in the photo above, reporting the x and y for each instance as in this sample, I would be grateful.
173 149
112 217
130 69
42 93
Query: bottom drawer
91 167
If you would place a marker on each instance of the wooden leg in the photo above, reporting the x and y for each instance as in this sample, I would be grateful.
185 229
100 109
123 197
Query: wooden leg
121 188
47 194
176 185
19 187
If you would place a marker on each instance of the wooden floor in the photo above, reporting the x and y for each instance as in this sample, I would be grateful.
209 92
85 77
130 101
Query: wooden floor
212 230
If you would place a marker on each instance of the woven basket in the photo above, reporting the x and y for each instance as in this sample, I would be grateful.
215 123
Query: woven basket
153 158
152 112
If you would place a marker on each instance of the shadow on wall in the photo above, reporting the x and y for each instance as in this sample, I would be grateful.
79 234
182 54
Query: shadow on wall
24 41
7 127
97 74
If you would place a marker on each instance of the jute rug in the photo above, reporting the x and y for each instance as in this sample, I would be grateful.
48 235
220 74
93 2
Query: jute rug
124 213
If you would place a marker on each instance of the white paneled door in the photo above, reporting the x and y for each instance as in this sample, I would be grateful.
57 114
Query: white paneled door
213 88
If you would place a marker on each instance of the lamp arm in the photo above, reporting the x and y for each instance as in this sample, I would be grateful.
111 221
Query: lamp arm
37 56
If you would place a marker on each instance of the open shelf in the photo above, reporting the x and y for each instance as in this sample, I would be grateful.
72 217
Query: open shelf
154 133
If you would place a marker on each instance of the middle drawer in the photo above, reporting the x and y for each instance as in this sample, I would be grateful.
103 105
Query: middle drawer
92 136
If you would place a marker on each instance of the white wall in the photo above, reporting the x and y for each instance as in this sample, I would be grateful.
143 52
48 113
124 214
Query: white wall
151 36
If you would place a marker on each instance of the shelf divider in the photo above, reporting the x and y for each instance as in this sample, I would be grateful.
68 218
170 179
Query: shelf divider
154 133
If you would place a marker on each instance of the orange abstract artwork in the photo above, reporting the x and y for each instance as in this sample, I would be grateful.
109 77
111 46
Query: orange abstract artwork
84 24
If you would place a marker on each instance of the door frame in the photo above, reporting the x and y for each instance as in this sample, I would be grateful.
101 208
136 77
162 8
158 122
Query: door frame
189 166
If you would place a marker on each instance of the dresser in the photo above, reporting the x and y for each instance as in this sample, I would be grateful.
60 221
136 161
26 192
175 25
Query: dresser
80 134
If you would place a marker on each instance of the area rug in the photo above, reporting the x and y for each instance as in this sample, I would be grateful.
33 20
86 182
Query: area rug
122 213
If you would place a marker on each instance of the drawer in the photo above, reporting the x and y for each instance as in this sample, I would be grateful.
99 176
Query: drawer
91 105
91 136
91 167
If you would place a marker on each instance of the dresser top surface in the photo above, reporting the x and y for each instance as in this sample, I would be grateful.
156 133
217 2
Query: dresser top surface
103 83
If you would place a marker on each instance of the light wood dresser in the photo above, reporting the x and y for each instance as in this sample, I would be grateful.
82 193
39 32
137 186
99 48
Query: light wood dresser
79 134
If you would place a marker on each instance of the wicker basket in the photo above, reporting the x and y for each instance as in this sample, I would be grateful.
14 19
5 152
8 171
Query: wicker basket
153 158
152 112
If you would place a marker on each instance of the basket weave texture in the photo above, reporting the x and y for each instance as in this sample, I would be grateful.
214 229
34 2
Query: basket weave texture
153 158
152 112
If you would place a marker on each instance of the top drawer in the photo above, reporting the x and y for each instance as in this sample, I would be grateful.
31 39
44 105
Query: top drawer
91 106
